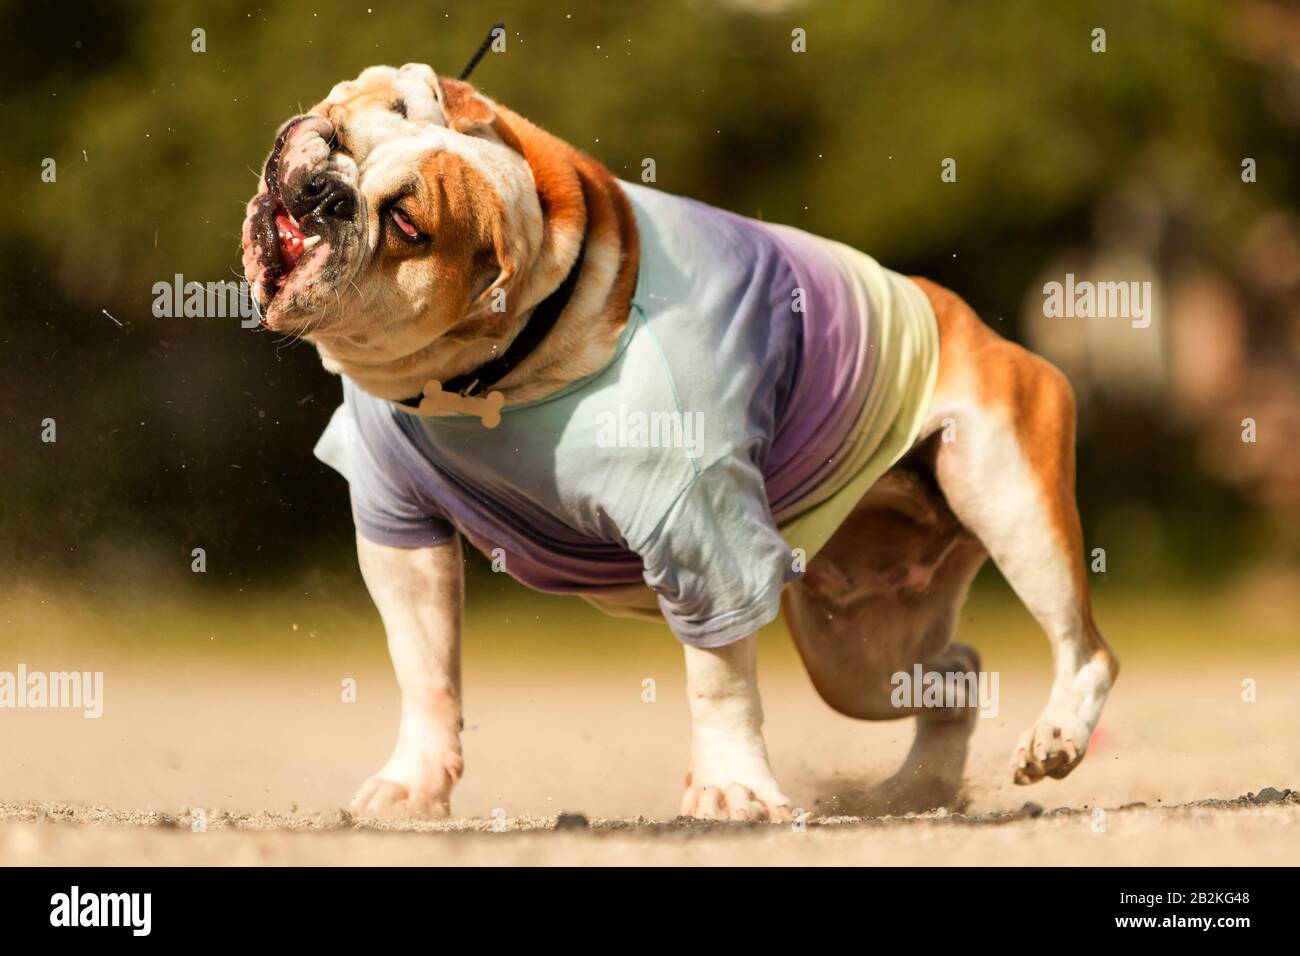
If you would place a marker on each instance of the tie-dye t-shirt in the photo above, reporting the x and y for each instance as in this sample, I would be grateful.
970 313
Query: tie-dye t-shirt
765 379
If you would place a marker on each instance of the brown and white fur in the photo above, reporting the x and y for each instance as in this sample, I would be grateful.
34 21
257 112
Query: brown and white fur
498 209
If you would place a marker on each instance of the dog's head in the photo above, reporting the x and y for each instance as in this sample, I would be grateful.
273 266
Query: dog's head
394 213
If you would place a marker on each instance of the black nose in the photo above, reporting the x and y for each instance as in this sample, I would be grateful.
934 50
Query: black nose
322 196
337 203
326 196
315 187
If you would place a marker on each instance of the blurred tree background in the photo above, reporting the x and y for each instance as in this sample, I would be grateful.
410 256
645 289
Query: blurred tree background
175 433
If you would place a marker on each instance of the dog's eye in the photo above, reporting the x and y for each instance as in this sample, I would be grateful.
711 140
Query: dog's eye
404 223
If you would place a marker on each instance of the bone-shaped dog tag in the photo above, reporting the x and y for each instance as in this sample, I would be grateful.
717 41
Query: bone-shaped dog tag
436 401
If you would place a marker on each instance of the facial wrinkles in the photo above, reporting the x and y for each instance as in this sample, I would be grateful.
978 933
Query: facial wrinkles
505 175
413 83
383 102
387 171
394 301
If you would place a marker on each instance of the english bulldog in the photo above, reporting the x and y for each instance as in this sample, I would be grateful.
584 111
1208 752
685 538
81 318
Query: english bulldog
672 411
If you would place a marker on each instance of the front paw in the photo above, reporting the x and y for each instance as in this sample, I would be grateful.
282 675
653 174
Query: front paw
419 792
731 800
1053 747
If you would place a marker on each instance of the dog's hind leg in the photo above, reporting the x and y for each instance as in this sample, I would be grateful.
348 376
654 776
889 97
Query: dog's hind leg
880 599
1007 472
994 476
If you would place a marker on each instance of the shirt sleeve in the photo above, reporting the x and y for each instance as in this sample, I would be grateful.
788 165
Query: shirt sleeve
386 506
717 561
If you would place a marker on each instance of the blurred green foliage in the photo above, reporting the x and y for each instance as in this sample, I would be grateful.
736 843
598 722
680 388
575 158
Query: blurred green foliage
177 433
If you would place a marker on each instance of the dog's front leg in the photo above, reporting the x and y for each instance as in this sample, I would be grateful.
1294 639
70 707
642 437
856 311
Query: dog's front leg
730 777
419 593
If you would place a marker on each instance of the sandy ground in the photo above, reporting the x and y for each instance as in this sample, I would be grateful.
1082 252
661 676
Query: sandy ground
287 753
267 748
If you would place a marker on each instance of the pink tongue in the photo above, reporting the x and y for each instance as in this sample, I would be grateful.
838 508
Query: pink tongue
291 237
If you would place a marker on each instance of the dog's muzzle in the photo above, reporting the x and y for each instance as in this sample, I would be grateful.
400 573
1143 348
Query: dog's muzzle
305 203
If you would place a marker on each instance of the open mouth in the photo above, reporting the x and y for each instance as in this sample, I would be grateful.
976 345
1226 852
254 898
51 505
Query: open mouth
294 242
282 242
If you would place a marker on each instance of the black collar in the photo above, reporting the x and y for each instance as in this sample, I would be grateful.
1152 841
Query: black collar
545 314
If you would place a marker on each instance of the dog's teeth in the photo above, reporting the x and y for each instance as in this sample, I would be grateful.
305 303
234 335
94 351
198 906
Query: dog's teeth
310 241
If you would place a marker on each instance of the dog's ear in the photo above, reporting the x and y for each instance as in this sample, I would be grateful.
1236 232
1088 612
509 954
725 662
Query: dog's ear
463 107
